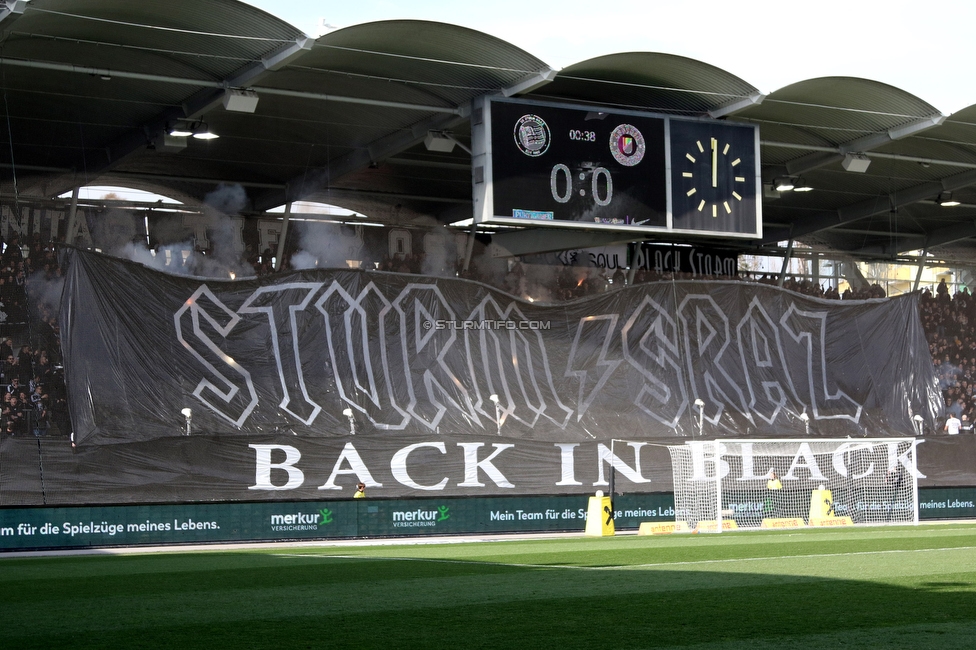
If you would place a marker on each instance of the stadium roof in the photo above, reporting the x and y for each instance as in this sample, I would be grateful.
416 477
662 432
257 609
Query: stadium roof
91 86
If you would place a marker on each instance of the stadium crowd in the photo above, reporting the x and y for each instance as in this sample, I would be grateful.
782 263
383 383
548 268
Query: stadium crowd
946 320
32 379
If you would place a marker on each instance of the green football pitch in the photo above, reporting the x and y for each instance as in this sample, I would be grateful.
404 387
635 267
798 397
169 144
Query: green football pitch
892 587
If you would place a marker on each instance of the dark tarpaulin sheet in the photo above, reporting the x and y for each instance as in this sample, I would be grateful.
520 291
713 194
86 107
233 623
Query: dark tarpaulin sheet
414 361
208 468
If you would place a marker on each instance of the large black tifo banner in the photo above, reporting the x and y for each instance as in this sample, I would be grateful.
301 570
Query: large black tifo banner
267 367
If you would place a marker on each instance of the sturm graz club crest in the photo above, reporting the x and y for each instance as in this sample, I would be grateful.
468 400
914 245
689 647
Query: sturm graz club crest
532 135
627 145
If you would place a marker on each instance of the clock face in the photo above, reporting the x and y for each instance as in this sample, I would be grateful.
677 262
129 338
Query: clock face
713 177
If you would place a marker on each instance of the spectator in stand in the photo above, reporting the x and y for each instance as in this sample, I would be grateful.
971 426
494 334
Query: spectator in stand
41 421
954 408
25 370
38 397
24 357
13 414
952 344
952 425
966 426
7 371
618 279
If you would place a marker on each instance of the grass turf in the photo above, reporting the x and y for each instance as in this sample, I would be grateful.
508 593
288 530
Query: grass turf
900 587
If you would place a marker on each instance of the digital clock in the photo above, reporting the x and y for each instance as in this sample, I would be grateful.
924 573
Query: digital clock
582 136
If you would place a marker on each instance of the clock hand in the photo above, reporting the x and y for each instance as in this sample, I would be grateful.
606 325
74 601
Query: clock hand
714 162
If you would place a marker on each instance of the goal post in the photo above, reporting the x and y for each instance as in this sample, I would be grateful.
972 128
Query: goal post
784 483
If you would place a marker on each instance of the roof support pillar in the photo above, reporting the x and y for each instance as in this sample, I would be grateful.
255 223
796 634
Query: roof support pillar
786 263
470 247
921 267
634 250
69 235
282 237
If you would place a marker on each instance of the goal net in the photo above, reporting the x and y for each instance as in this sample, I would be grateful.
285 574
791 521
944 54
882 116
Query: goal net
726 484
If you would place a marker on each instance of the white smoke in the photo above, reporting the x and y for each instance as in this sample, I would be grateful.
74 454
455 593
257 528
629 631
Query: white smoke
326 245
120 233
45 294
114 230
440 250
115 233
227 199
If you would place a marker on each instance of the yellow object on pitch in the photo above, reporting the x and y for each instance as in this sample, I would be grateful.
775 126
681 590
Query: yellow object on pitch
599 517
821 504
822 510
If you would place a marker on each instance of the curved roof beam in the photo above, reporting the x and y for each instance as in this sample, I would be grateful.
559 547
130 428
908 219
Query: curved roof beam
530 82
950 234
10 11
251 74
861 145
384 147
904 243
874 154
871 207
737 105
391 144
654 81
196 106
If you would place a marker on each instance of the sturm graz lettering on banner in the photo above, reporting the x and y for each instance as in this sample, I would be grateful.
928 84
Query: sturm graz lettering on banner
375 349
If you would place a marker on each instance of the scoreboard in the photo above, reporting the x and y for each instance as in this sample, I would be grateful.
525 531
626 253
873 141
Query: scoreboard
537 163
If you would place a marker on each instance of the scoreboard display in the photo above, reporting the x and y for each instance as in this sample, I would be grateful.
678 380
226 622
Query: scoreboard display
589 167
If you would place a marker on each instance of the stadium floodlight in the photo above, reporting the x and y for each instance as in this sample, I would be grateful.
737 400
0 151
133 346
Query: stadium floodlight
820 481
498 419
180 130
783 184
188 414
187 129
701 415
352 421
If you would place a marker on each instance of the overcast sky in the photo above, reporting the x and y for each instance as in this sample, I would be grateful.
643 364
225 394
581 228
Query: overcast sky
926 48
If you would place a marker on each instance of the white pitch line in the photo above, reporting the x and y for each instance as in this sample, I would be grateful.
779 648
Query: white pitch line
795 557
419 559
628 567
